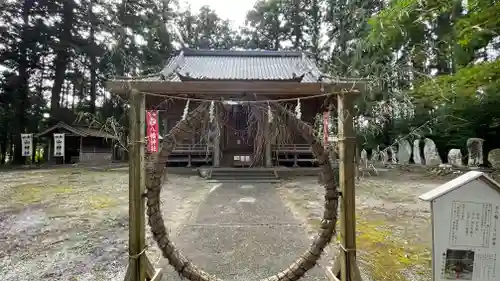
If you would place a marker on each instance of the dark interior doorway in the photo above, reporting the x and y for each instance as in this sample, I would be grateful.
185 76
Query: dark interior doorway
239 140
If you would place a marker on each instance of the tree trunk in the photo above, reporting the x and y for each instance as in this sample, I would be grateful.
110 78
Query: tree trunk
316 29
297 32
22 82
62 58
93 60
3 148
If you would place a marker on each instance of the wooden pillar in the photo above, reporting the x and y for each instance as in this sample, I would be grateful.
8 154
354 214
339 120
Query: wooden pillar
165 126
349 270
81 150
49 154
139 268
268 152
216 142
136 185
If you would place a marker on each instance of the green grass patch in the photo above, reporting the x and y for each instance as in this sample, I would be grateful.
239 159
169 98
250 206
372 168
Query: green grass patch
387 257
101 202
26 194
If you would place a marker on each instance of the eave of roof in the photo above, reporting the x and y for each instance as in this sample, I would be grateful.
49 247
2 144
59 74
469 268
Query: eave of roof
198 72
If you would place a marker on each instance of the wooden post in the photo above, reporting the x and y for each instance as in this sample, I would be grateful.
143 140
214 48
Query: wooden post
216 142
268 151
347 142
49 155
80 155
139 268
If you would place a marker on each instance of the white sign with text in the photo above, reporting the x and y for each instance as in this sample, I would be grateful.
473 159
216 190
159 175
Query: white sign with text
27 145
465 222
59 145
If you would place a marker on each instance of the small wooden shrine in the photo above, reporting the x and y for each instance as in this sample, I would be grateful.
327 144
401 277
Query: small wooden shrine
81 144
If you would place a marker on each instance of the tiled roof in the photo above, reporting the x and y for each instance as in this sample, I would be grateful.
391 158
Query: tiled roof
240 65
78 130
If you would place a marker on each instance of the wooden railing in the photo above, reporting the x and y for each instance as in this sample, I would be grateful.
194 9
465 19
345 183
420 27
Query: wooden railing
192 149
291 148
191 153
288 153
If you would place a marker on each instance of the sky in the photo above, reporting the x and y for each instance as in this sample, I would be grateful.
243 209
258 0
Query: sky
234 10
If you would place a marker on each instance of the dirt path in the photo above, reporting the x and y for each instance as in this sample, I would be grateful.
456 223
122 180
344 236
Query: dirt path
393 225
72 224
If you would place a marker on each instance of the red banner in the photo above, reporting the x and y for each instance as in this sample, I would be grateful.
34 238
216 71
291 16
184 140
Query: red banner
152 130
326 134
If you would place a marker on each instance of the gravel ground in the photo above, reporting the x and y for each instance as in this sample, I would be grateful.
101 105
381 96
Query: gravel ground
72 224
393 225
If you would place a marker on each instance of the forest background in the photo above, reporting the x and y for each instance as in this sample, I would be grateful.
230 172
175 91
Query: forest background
433 66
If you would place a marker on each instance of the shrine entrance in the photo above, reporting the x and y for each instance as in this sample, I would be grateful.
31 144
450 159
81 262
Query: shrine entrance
238 149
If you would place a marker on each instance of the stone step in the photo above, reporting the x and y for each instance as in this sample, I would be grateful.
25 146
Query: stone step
242 175
271 175
244 180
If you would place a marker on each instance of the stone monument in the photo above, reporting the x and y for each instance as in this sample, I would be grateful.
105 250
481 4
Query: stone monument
455 157
431 154
475 151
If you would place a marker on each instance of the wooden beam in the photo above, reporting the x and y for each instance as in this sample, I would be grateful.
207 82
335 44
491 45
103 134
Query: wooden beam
347 146
225 88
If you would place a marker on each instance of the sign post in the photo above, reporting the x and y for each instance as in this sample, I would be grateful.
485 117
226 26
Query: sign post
465 225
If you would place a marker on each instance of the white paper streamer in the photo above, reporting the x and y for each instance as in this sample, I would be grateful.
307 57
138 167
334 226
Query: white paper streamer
269 114
298 112
186 109
212 111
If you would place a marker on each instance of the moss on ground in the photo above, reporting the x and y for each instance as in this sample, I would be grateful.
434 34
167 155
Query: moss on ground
26 194
387 257
101 202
